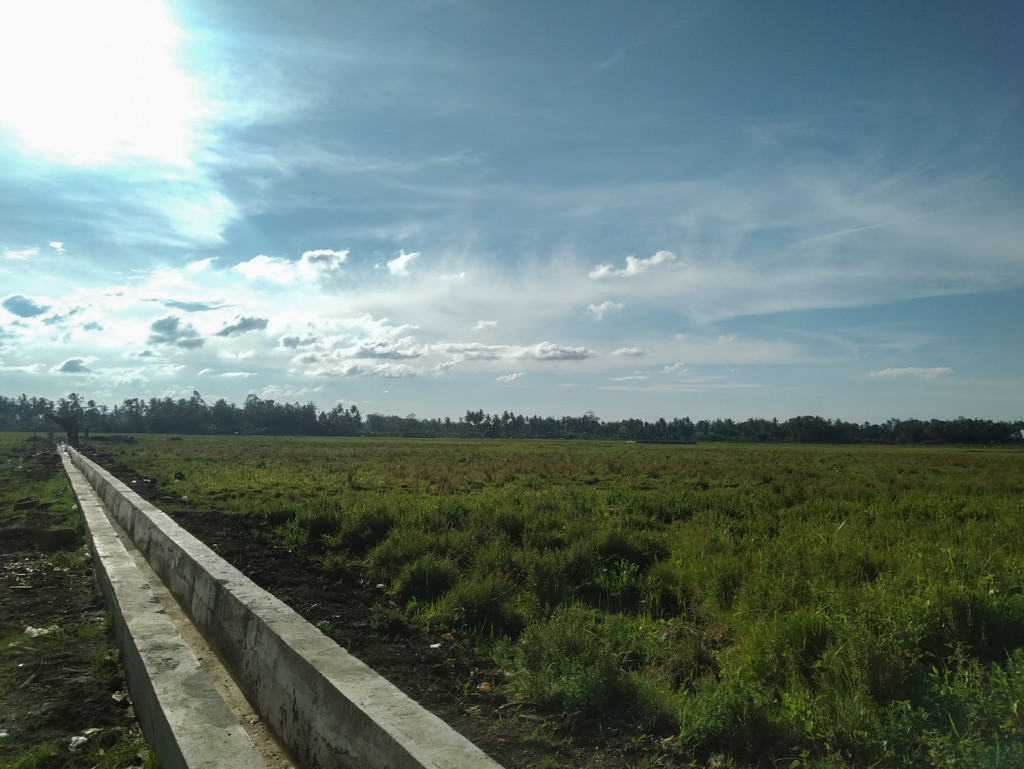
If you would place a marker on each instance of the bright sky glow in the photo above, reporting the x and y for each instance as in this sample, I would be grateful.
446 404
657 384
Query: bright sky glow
92 82
704 209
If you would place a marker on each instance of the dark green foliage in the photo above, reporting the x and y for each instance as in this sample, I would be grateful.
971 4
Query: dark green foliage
426 578
484 606
361 530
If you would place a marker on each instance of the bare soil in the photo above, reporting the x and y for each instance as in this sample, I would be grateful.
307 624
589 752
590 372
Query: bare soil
64 682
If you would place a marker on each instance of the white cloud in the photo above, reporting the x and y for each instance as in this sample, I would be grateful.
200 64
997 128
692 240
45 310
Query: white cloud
675 368
57 246
405 347
600 310
277 269
484 324
461 351
200 265
913 371
21 255
270 268
550 351
633 266
349 369
400 264
629 352
509 377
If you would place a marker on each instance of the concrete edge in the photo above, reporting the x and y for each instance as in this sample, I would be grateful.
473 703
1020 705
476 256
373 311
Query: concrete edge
181 714
328 707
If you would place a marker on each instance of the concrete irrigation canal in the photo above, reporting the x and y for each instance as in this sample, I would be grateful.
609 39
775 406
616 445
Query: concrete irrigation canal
222 673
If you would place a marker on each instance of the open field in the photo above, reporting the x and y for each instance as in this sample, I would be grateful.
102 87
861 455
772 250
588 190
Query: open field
772 605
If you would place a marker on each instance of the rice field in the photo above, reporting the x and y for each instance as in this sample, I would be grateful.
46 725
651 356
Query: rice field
781 605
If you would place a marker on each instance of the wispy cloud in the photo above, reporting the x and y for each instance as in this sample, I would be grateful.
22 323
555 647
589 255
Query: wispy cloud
600 310
916 372
21 255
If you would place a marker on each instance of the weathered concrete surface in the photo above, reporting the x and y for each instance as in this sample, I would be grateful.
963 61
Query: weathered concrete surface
184 718
329 708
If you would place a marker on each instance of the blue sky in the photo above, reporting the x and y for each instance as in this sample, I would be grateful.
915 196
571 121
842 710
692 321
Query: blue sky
643 209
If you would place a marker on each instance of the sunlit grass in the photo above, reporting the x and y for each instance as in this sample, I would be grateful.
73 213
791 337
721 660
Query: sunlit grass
833 606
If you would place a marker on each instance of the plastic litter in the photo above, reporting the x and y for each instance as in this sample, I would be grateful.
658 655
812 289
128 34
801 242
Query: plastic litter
35 632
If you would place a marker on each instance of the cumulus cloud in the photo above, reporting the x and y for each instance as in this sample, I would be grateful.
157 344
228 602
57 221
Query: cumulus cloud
170 331
675 368
243 326
347 369
278 269
540 351
57 246
24 307
470 350
551 351
913 371
405 347
629 352
72 366
322 260
293 342
484 324
509 377
633 266
600 310
274 269
400 264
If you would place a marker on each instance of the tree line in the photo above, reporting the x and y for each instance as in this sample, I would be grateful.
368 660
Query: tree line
268 417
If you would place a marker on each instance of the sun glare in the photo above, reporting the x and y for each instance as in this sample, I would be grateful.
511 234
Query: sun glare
90 83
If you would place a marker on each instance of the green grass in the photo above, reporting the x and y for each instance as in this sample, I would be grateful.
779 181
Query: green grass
830 606
82 641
